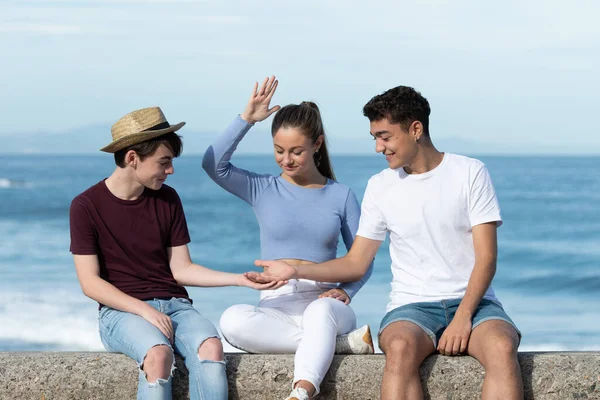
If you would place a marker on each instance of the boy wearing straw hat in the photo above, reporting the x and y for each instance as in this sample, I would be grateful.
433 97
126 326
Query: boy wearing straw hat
129 242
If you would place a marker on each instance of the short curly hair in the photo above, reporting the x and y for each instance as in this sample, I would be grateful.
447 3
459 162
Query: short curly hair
400 105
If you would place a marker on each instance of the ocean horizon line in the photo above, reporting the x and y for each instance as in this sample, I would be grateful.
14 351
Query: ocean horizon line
332 154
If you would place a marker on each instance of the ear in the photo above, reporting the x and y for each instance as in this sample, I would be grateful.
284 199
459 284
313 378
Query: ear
131 159
416 130
319 142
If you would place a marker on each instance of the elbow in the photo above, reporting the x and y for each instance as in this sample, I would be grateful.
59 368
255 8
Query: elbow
208 161
88 291
358 269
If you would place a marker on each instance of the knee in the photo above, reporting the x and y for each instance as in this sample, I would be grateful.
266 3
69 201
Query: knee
211 349
399 349
232 321
158 362
320 309
502 348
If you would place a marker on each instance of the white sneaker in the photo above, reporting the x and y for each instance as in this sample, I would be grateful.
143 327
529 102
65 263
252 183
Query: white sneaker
298 394
359 341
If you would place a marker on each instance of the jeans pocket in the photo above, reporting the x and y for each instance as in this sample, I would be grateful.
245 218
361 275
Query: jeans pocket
182 300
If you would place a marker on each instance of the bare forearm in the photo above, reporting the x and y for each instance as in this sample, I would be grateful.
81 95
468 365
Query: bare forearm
479 282
345 269
107 294
197 275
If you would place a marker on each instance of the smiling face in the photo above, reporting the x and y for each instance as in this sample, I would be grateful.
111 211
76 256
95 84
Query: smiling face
294 152
153 170
399 146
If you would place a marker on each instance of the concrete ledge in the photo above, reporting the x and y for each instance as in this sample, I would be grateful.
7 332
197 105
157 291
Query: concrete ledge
54 376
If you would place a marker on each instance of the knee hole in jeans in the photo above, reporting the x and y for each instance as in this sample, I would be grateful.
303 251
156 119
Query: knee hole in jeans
158 363
211 349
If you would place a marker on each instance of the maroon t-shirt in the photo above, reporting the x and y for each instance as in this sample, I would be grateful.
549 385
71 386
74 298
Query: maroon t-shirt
130 238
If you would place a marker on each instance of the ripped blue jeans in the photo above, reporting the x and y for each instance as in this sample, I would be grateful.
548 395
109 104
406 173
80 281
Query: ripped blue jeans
133 336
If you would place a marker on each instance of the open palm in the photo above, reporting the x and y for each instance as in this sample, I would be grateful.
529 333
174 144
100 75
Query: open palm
257 108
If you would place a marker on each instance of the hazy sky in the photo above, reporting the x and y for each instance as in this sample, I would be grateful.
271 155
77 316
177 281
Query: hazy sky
516 71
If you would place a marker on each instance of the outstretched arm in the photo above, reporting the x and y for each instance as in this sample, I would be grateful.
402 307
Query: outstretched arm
186 273
349 268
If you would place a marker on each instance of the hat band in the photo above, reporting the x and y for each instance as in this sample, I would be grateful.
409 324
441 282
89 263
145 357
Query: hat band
162 125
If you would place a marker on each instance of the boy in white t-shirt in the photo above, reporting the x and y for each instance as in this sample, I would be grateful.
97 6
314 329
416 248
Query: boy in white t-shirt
441 213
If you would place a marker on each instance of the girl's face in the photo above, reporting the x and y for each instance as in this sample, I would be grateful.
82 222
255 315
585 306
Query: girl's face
294 151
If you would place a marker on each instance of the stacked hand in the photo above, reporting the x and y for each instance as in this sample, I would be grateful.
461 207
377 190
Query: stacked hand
279 270
257 108
260 283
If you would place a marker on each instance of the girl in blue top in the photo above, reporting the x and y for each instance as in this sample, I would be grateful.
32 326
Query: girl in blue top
301 214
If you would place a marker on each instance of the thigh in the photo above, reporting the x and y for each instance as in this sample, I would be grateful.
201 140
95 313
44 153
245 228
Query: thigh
190 327
260 329
493 341
489 310
429 317
129 334
324 310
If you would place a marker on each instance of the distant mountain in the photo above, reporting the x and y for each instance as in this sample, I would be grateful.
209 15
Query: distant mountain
89 139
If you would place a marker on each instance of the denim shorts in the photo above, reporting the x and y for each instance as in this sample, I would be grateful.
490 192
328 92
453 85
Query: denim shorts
434 317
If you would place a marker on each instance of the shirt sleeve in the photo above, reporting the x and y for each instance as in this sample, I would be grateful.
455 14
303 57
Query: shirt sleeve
348 229
84 239
372 221
179 234
483 203
246 185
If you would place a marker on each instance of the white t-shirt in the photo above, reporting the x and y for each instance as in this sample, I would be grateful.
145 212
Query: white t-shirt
430 217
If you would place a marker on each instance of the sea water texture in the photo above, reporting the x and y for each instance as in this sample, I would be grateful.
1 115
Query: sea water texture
548 275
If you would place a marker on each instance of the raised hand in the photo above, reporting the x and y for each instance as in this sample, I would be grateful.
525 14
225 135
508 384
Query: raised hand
257 108
159 320
338 294
278 270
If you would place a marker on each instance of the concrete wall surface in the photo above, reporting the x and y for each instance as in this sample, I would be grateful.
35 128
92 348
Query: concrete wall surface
83 376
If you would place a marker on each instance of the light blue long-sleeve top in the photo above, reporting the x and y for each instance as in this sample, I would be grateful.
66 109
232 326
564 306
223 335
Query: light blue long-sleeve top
295 222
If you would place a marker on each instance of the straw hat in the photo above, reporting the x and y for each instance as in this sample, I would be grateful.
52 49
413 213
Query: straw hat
139 126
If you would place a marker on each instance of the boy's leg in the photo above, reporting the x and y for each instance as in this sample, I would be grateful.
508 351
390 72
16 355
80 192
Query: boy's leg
408 334
198 342
405 346
494 343
135 337
323 320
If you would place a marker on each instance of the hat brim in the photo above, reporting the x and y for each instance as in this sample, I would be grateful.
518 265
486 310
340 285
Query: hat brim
139 137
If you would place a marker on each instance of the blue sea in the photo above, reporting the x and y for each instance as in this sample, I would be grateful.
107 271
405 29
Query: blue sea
548 274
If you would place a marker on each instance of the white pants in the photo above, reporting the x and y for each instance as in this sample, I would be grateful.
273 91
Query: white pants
298 322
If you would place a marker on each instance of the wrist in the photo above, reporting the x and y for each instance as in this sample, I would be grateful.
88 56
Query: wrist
247 119
239 280
145 309
296 272
463 314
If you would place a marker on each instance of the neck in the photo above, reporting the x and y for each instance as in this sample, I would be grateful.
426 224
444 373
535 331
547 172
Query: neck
122 184
312 178
426 159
